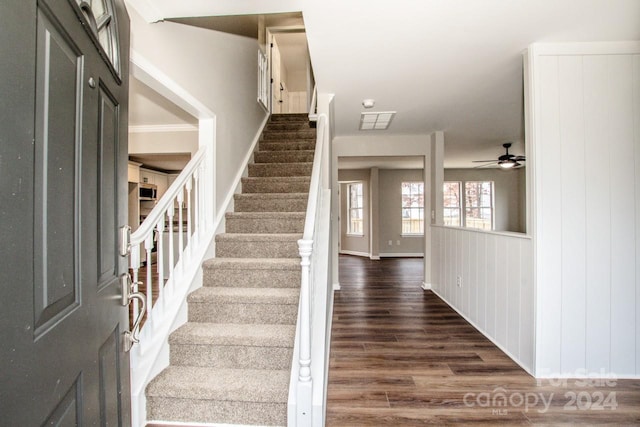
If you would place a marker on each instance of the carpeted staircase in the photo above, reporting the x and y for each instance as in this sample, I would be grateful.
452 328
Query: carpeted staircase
231 362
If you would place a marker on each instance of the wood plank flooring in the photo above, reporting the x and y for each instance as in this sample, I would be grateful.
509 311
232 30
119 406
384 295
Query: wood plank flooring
400 356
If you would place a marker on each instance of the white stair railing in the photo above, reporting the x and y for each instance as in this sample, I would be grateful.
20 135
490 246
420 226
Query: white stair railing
167 249
308 375
263 80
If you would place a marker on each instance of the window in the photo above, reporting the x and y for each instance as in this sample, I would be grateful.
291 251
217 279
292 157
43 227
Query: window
412 208
475 210
355 209
479 204
452 203
101 19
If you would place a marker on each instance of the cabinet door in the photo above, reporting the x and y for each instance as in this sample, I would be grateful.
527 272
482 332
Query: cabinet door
162 182
147 176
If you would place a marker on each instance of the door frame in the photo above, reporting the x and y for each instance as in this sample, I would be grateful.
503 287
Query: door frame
270 33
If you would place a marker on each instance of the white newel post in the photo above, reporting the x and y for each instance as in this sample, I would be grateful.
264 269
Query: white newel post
304 377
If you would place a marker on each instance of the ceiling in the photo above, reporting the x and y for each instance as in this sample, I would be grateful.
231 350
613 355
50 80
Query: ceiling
381 162
453 65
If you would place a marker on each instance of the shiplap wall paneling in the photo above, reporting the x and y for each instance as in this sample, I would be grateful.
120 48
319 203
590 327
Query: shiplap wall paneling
587 146
496 294
597 215
623 289
572 205
549 219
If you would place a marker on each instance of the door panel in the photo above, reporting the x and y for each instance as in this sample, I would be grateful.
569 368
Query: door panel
63 194
58 103
108 120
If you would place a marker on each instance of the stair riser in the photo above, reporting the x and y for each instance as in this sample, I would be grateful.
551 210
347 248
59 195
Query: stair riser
252 278
270 205
289 135
216 312
301 117
263 225
259 186
286 146
256 249
277 169
211 411
283 156
286 126
234 357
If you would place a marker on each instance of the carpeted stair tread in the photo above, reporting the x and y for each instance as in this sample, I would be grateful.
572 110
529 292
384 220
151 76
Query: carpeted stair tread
244 385
271 202
256 237
234 335
265 222
252 263
298 156
285 135
224 295
280 169
274 146
290 117
270 185
266 215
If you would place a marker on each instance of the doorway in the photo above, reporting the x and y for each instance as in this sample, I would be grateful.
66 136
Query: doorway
290 70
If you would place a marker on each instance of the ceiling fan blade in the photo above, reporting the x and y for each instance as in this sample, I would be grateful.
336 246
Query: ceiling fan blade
486 165
519 158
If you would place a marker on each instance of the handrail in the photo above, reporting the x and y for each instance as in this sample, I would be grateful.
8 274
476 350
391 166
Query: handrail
160 208
312 203
309 370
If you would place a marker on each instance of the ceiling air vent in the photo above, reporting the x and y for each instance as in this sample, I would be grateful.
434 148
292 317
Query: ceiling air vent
376 121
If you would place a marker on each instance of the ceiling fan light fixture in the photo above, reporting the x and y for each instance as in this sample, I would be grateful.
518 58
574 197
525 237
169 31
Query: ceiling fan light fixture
508 164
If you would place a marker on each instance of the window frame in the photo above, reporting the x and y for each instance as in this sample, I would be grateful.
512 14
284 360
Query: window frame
490 207
459 207
350 209
411 208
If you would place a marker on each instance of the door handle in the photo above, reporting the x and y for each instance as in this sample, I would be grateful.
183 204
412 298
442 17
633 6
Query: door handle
132 337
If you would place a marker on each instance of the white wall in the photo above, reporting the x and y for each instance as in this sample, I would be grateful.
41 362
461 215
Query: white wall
219 69
583 118
163 142
496 291
509 186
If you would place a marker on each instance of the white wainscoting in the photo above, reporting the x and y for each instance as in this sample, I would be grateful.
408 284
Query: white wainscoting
584 116
496 293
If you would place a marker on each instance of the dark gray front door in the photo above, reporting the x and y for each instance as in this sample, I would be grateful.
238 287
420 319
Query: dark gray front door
63 151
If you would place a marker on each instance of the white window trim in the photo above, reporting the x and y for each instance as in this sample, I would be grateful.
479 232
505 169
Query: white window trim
402 234
349 232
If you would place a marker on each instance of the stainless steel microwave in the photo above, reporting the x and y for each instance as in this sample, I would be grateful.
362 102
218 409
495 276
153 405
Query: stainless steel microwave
148 191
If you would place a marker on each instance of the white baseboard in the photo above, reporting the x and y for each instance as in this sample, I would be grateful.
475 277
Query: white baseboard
355 253
401 255
374 258
426 286
336 286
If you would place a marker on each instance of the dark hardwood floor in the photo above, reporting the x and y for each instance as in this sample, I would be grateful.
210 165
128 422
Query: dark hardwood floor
400 356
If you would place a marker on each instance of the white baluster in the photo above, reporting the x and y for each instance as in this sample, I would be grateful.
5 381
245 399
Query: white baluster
148 245
304 375
160 261
188 187
196 188
170 214
180 226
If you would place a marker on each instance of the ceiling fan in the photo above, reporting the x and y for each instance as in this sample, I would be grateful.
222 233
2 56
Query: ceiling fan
506 161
